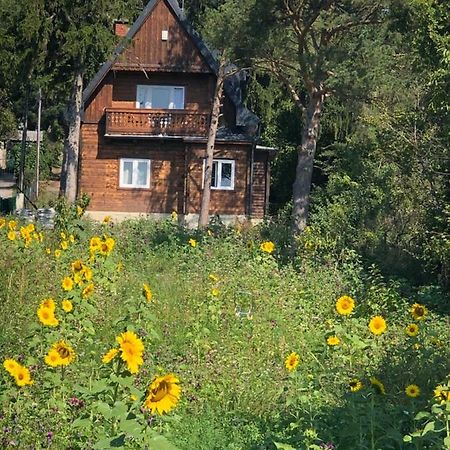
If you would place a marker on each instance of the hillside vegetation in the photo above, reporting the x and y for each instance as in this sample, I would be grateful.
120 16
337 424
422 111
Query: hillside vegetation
246 346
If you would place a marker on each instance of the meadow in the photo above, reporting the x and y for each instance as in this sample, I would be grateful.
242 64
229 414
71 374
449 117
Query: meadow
148 335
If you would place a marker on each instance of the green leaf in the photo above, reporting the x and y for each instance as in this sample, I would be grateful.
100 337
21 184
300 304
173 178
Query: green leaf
407 438
161 443
131 428
447 442
104 409
428 427
281 446
81 423
119 409
422 415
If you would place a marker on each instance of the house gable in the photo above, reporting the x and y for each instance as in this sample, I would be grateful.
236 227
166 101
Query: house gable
161 43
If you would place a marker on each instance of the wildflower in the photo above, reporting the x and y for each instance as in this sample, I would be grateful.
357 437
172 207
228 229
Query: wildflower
88 290
267 247
107 219
72 238
412 390
78 279
22 376
48 251
64 245
147 292
67 284
215 292
46 313
412 330
333 340
10 366
63 235
110 355
87 273
192 243
213 277
2 222
377 325
131 348
79 211
106 246
163 394
174 216
119 266
61 354
67 306
94 244
378 385
345 305
441 394
291 362
57 253
77 266
11 235
12 225
355 385
418 311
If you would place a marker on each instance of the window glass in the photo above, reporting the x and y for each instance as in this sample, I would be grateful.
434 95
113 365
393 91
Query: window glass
225 176
178 98
142 172
160 97
127 174
214 175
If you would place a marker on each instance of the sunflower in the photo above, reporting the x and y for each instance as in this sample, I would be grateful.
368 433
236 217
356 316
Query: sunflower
48 251
333 340
345 305
2 222
418 311
78 278
192 243
94 244
412 390
57 253
88 290
67 284
163 394
64 245
215 292
48 303
110 355
12 225
147 292
22 376
107 219
65 354
77 266
72 238
11 366
267 247
47 315
131 348
67 305
52 358
377 325
441 394
355 385
213 277
291 362
11 235
110 243
79 211
87 273
378 385
412 330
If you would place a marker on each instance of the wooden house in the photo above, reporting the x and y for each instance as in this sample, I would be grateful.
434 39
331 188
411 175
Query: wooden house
145 123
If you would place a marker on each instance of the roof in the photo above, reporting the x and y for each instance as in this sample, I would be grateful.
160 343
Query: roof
233 85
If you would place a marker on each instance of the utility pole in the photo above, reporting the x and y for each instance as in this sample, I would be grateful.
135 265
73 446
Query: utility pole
38 143
23 148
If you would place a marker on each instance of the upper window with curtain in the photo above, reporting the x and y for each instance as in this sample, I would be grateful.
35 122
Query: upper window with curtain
160 97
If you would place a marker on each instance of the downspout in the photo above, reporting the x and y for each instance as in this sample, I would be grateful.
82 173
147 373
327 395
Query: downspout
250 187
185 183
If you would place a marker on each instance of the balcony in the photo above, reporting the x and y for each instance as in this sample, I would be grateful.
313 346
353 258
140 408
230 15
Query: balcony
155 122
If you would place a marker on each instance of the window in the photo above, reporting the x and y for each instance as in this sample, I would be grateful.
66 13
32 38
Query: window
222 174
134 173
160 97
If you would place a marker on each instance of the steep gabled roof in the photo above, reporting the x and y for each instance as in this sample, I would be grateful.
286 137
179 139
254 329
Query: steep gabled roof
233 84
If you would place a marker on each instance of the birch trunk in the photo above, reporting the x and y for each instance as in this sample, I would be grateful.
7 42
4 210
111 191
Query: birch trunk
306 152
212 132
69 172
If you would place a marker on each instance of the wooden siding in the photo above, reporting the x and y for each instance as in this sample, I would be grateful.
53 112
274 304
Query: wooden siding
148 51
259 192
99 100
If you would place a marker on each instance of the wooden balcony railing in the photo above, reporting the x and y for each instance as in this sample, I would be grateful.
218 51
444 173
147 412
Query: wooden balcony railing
156 122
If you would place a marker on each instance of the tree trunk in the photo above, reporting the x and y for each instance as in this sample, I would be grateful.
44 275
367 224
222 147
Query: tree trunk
206 194
69 172
306 152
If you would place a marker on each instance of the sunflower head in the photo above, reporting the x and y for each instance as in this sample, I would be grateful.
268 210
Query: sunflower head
67 306
163 394
377 325
131 350
215 292
345 305
355 385
292 361
11 366
412 330
192 243
378 385
110 355
418 311
67 284
22 376
46 316
88 290
65 352
267 247
147 292
412 390
333 340
441 394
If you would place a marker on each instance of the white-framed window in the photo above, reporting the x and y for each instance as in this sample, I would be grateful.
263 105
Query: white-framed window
222 174
160 97
134 173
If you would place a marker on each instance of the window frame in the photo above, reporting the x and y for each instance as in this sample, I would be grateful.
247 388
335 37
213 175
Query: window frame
220 162
134 173
150 87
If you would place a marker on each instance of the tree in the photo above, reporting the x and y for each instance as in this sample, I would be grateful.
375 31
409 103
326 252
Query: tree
307 46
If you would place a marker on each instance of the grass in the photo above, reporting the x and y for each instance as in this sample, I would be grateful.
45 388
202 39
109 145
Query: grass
225 336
